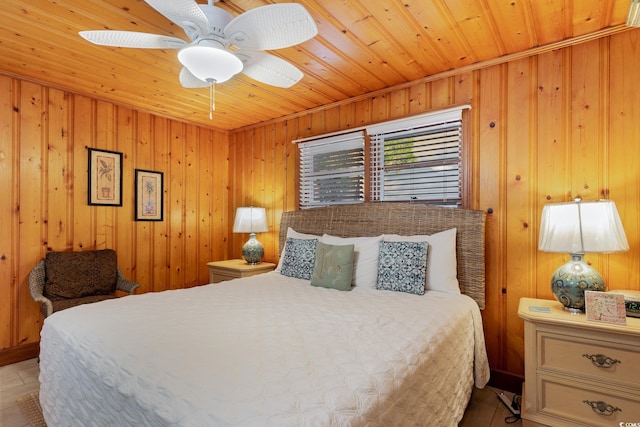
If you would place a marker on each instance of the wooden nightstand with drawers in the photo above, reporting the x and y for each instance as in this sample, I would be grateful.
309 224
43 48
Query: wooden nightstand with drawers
220 271
578 372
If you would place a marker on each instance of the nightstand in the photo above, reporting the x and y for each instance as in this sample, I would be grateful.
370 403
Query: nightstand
578 372
236 268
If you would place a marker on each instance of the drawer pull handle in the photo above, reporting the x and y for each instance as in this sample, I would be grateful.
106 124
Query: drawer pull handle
601 361
602 408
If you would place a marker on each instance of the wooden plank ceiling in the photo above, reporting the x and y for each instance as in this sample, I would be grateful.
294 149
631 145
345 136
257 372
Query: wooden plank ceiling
363 46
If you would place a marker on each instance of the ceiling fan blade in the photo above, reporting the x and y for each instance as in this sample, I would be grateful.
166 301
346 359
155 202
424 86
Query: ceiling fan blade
186 13
269 69
131 39
190 81
274 26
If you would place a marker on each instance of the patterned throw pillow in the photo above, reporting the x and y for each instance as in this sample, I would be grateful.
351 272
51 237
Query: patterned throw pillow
299 258
333 267
80 274
402 266
442 265
293 234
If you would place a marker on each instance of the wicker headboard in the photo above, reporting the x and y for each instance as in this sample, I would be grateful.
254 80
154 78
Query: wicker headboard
373 219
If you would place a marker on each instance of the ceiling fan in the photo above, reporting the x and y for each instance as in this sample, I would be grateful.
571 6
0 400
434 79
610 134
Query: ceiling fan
222 46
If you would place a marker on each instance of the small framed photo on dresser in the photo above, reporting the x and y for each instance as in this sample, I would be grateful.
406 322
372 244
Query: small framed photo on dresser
605 307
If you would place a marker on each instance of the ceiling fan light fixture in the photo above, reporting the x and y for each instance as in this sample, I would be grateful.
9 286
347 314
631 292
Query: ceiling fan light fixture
633 17
209 63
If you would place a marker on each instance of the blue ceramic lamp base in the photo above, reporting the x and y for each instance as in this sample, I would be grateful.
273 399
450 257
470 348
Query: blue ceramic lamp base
570 281
252 251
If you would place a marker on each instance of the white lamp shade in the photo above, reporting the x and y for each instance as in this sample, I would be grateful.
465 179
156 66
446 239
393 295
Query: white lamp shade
250 220
581 227
210 63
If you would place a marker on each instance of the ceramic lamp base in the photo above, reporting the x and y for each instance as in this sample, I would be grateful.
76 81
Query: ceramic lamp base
252 251
570 281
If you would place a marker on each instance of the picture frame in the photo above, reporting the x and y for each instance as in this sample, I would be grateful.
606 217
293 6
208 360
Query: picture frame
104 177
149 195
605 307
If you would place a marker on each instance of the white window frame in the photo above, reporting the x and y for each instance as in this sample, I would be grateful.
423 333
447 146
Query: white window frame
364 168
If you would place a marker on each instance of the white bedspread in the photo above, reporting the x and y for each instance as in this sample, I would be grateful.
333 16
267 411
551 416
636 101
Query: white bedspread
263 351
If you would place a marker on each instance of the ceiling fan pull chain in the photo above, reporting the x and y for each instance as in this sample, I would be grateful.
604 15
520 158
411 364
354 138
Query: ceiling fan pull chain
212 98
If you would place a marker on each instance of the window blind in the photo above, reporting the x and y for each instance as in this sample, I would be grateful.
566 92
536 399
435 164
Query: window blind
418 159
332 170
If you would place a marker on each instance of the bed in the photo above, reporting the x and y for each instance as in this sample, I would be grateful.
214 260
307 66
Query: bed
272 350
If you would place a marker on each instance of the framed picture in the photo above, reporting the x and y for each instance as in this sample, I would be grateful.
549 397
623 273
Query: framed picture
105 177
149 195
605 307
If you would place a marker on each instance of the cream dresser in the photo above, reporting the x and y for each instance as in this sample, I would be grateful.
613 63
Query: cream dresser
578 372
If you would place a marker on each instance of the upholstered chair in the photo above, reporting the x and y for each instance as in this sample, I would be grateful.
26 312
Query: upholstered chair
67 279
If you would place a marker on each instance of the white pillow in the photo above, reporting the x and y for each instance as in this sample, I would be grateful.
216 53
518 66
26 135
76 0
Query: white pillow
365 271
293 234
442 264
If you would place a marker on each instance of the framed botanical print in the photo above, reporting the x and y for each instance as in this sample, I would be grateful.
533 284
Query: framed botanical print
149 195
105 177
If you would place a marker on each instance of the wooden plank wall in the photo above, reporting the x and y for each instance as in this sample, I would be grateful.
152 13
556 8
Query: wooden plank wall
44 135
543 129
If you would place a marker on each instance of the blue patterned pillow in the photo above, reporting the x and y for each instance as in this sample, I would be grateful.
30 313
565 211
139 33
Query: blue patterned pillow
402 266
299 258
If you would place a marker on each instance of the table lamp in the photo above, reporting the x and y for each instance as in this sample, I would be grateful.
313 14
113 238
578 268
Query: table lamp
578 227
251 220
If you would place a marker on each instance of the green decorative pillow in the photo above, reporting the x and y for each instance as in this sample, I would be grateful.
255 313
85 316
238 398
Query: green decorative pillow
402 266
333 267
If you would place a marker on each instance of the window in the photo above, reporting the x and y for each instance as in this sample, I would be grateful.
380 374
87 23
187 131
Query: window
417 159
332 170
